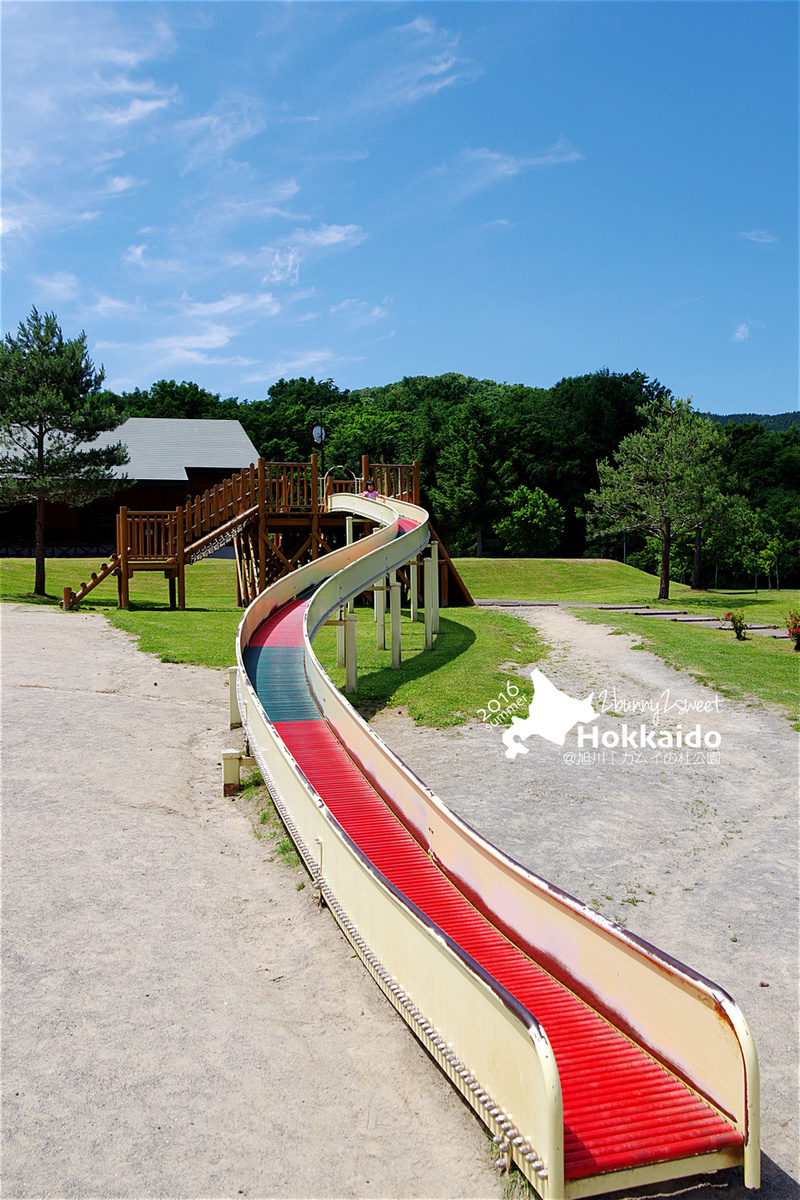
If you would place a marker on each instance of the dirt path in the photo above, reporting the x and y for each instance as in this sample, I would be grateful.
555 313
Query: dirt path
699 858
180 1021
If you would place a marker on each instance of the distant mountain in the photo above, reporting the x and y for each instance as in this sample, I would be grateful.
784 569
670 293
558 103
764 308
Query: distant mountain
778 421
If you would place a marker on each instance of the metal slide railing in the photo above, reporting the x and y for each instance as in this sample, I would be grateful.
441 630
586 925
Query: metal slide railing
671 1030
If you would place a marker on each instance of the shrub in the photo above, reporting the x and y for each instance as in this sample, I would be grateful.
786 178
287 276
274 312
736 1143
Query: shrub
793 626
738 623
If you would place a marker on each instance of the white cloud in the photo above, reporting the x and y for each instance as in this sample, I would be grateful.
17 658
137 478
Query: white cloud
135 110
212 338
742 332
359 312
473 170
305 362
234 119
109 306
135 257
263 303
135 254
284 267
329 235
422 61
119 184
284 261
761 236
11 222
181 348
59 286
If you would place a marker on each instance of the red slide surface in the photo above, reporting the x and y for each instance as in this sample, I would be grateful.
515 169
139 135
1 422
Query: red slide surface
622 1108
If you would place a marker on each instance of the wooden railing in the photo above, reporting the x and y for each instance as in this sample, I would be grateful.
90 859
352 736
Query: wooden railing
151 535
147 539
270 487
291 487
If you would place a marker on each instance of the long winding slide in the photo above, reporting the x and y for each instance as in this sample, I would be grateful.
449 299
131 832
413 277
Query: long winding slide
596 1061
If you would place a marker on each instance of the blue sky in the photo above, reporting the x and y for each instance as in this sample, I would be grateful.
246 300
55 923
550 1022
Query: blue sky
231 192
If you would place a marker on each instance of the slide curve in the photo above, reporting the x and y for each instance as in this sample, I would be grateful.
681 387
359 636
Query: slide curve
596 1061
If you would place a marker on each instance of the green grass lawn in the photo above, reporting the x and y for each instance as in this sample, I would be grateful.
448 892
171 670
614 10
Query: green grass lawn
592 580
759 667
474 657
462 674
605 581
204 634
444 686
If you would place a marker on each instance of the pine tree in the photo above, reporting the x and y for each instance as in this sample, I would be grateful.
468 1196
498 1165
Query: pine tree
51 409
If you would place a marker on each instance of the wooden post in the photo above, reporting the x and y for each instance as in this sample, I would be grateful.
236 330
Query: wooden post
394 619
413 574
364 470
416 482
380 610
341 654
428 572
122 550
239 583
180 515
262 529
314 505
351 666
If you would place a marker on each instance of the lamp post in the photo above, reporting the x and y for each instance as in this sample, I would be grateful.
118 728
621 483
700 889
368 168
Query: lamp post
318 434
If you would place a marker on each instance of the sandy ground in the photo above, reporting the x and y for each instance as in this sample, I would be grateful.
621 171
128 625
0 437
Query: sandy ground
178 1019
700 859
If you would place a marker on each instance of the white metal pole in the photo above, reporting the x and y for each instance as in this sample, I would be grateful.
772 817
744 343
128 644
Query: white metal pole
435 596
351 681
341 655
414 585
233 702
428 599
394 619
349 536
380 610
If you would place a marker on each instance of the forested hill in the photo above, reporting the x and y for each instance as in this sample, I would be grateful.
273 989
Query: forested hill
776 421
479 442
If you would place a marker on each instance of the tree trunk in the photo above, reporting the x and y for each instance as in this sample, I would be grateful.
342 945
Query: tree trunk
716 576
479 545
38 587
696 569
755 583
663 588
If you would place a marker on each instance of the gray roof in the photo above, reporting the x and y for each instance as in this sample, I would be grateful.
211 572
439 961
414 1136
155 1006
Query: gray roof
161 448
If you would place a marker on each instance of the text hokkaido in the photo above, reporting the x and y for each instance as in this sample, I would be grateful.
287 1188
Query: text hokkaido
640 738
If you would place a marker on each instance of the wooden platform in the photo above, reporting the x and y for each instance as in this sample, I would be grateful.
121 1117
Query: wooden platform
276 517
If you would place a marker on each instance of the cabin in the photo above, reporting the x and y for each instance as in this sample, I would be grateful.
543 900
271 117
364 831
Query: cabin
172 460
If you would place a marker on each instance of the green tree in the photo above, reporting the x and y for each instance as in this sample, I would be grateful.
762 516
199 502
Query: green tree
534 524
471 478
51 407
658 479
166 398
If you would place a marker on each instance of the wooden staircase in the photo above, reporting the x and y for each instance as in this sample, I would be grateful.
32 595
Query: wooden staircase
272 513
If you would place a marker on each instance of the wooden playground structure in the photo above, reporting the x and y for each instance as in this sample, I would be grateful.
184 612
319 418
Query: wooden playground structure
277 517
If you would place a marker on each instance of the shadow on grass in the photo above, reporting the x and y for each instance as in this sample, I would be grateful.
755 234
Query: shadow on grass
377 688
